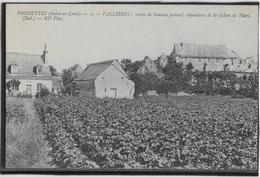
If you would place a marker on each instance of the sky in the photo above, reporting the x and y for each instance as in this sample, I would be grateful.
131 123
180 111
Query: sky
88 39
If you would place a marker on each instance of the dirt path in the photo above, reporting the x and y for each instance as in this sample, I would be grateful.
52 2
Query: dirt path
25 144
44 158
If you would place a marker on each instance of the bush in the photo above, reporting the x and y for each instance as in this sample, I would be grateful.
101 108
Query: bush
24 95
43 92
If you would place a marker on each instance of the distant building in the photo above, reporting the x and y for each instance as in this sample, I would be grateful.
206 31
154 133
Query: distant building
27 73
205 56
105 79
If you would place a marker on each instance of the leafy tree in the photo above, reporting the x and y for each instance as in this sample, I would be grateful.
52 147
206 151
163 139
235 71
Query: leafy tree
53 71
132 68
189 67
144 82
68 80
67 74
125 62
174 72
166 86
188 75
12 84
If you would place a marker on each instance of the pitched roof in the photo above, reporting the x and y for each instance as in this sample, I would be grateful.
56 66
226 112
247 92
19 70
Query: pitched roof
204 51
26 64
93 70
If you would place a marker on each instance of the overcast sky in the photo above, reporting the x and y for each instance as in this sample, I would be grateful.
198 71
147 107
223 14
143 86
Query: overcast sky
88 39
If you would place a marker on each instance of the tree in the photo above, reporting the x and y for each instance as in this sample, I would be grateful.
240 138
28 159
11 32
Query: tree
144 82
53 71
68 80
13 84
188 75
132 68
164 87
174 72
67 74
125 62
189 67
72 68
66 77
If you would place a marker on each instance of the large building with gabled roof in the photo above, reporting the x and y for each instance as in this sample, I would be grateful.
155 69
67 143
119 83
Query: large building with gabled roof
27 73
105 79
208 56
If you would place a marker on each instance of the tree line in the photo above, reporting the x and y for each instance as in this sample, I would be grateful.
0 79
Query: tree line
179 77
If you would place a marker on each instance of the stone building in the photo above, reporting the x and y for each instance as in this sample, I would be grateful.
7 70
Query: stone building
105 79
210 57
27 73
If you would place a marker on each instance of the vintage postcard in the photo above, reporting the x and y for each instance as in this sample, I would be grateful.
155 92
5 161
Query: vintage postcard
125 87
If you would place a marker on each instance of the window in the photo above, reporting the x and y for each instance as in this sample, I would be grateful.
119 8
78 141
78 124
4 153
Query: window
105 90
28 89
122 77
14 69
208 60
217 60
38 70
39 87
199 60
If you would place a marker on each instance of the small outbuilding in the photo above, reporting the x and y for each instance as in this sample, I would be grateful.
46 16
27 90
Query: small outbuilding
105 79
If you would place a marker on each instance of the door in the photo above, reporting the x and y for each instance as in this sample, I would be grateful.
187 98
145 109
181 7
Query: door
112 92
29 89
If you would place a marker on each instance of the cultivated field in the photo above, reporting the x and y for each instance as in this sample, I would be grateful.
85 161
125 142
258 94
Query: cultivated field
25 144
195 132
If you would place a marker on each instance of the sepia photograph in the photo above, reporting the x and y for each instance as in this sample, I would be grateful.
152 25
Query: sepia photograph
130 87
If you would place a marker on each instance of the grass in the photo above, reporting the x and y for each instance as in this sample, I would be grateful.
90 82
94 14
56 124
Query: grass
25 144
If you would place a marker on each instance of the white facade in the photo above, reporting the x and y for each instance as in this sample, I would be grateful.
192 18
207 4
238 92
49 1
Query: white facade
213 64
114 82
30 86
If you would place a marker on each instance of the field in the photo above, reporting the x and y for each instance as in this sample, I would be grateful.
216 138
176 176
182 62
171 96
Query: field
25 144
196 132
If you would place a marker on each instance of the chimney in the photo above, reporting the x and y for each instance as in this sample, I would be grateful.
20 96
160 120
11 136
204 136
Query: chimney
45 55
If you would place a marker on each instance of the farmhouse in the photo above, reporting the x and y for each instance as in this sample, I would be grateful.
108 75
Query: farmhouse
27 73
105 79
206 56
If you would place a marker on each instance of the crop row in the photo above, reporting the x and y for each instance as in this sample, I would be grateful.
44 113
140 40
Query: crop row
155 132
